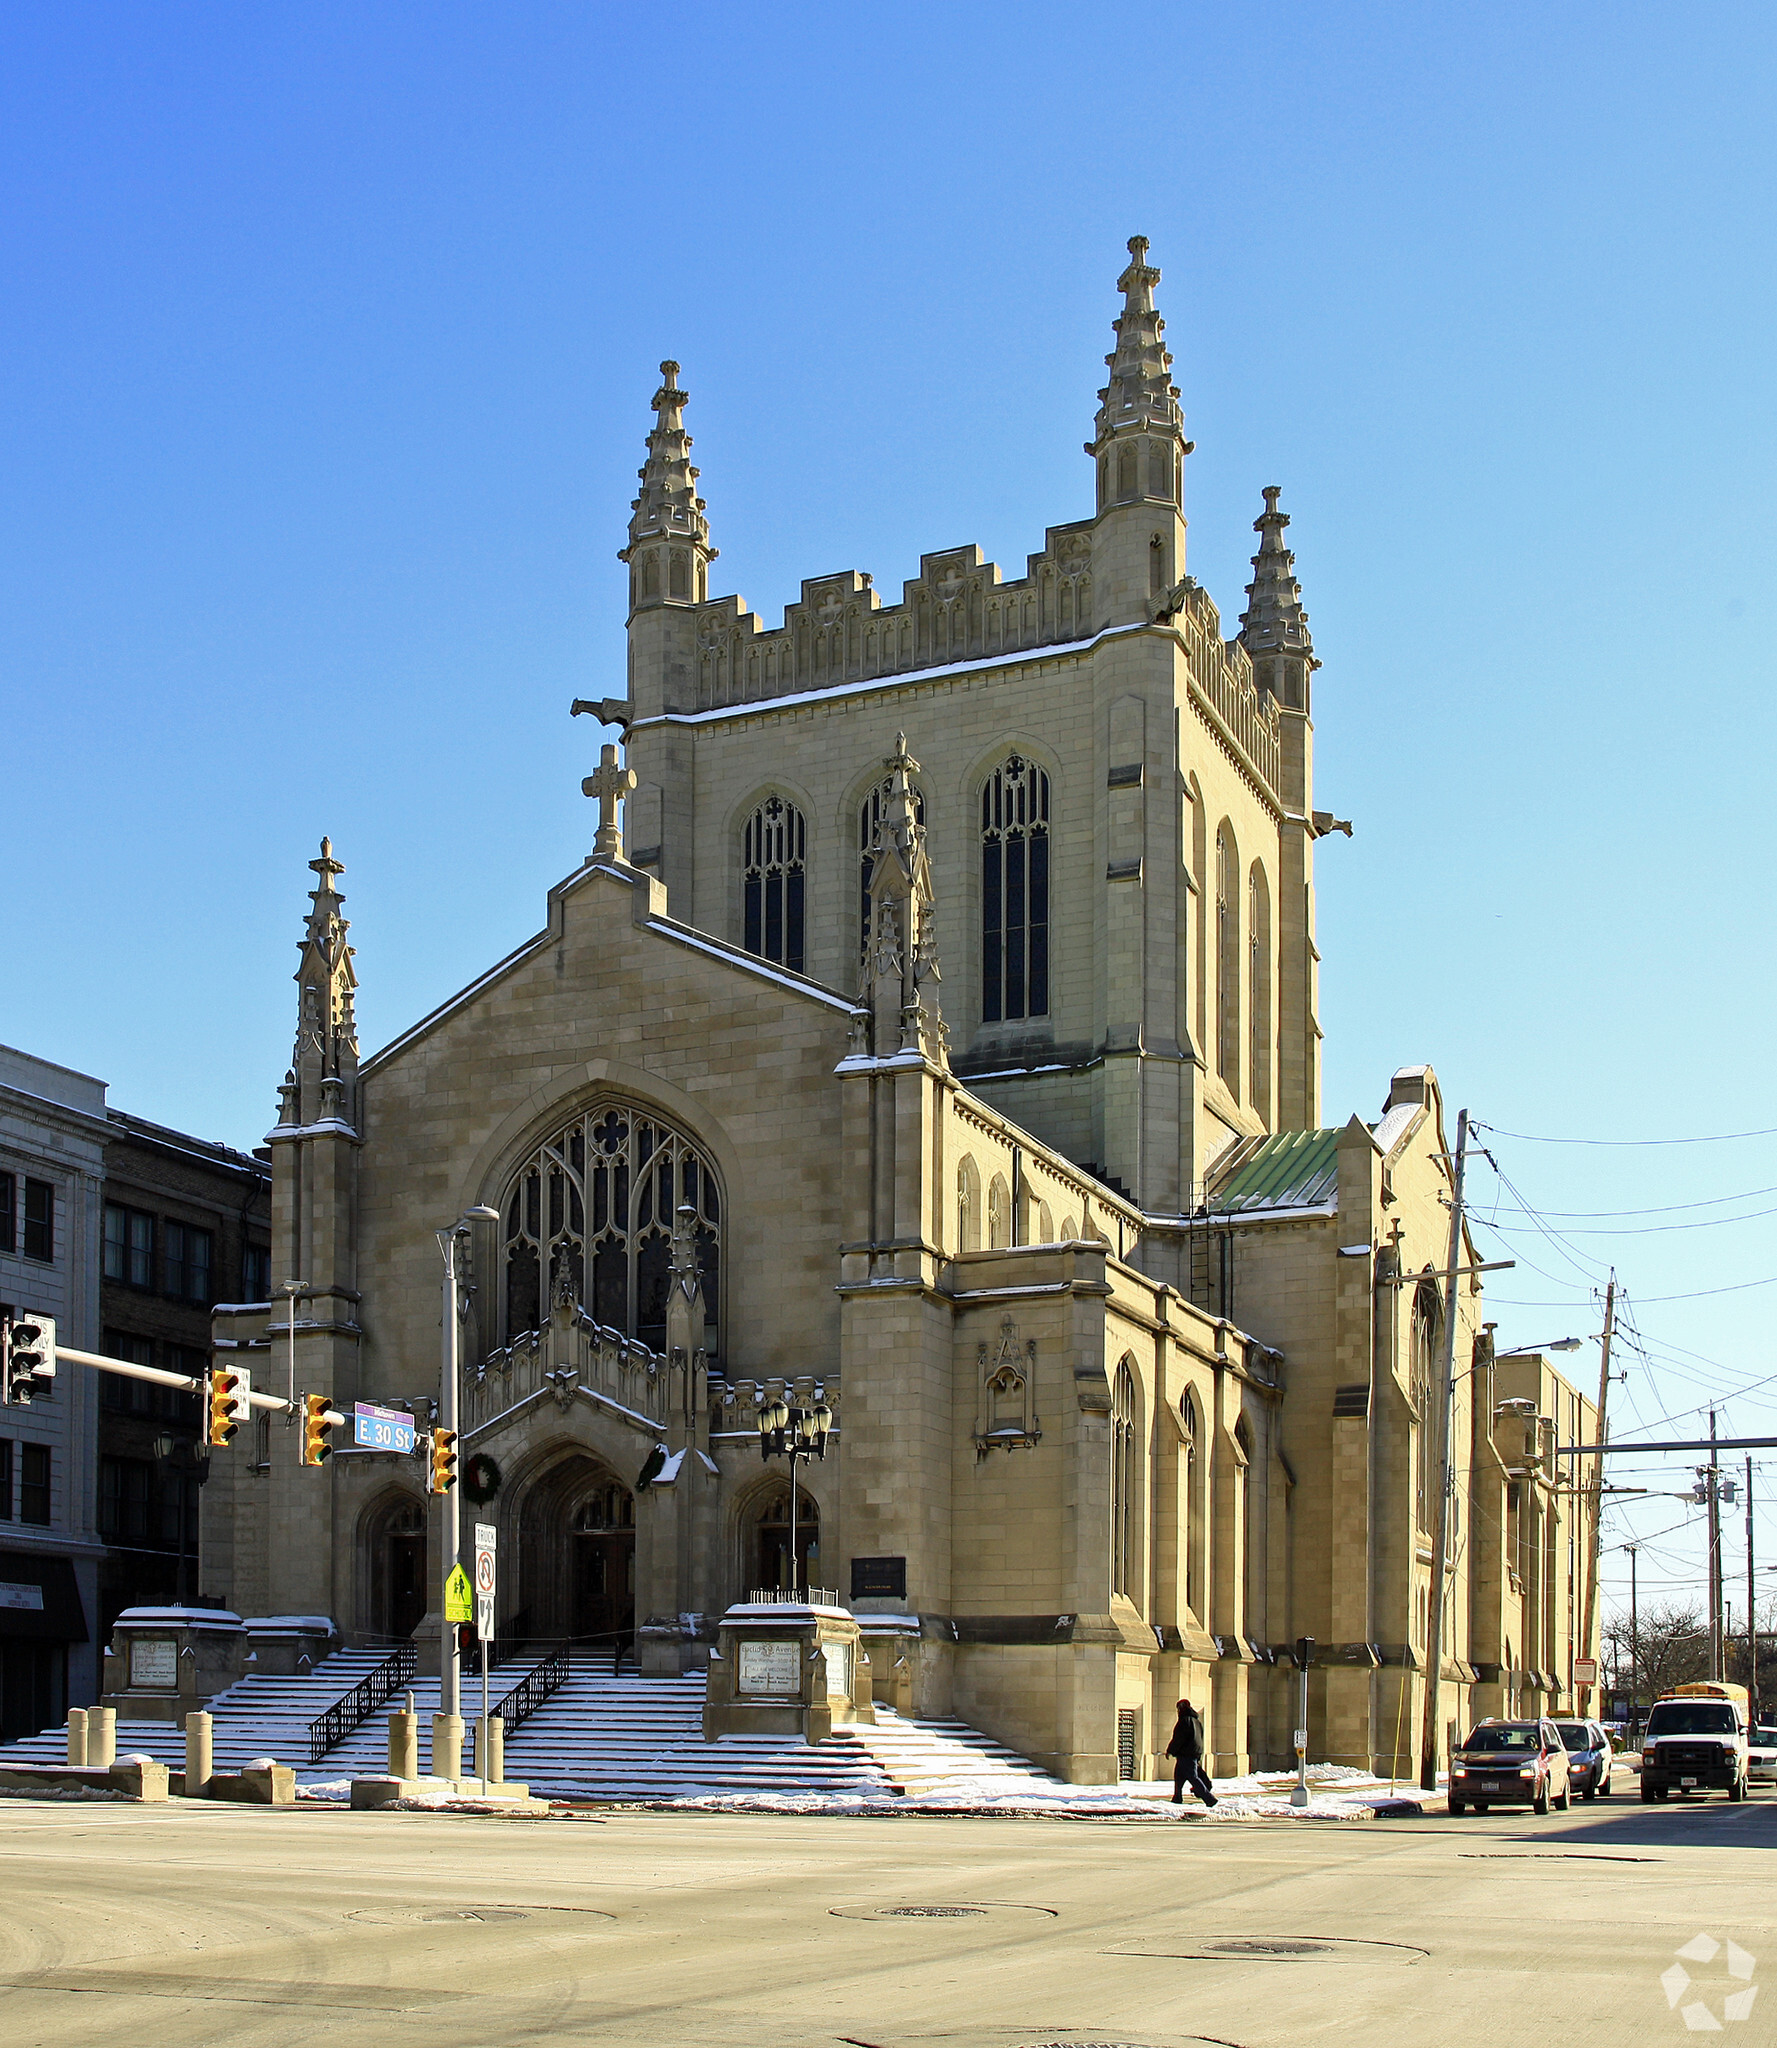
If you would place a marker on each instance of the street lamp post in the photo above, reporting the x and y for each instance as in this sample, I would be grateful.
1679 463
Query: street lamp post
794 1433
449 1242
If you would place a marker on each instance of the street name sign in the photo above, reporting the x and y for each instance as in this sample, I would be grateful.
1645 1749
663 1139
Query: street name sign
381 1429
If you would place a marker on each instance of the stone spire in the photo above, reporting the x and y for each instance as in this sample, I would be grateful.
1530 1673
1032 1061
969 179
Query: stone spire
322 1084
899 984
1139 407
669 548
1274 626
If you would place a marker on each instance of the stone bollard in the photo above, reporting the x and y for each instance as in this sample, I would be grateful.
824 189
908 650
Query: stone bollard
404 1742
200 1755
447 1745
490 1754
101 1738
76 1737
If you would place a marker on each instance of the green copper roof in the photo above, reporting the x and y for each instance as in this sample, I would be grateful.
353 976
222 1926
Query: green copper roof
1292 1170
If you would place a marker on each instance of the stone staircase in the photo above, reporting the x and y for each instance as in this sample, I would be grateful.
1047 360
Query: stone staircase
254 1717
599 1737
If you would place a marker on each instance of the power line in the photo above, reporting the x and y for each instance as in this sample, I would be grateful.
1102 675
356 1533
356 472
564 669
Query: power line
1534 1138
1662 1208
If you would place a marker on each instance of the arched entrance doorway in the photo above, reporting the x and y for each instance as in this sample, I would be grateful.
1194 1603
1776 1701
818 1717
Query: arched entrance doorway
770 1548
603 1561
577 1552
395 1558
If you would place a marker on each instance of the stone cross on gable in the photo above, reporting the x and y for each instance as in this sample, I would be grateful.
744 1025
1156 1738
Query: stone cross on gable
611 783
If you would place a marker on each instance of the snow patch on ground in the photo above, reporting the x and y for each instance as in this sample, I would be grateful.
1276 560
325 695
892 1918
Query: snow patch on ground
61 1792
328 1791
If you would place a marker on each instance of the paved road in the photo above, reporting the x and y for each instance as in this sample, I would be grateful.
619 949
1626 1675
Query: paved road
126 1926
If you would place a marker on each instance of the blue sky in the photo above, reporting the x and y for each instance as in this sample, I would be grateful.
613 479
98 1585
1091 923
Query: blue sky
324 364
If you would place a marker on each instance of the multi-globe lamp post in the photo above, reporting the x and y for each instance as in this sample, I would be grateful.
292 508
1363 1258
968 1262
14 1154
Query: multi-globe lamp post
794 1432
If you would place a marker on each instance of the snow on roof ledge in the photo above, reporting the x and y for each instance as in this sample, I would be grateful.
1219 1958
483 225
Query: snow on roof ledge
179 1617
290 1624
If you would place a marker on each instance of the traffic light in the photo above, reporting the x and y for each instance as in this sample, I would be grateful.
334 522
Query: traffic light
30 1355
229 1405
444 1461
317 1426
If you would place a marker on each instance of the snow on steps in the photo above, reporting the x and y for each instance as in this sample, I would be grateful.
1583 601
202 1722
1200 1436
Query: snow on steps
597 1737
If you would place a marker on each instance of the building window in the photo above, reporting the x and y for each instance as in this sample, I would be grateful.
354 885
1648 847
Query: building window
256 1272
1227 965
40 1220
34 1483
188 1259
1427 1317
589 1218
1015 892
5 1479
8 1212
1123 1411
129 1246
774 859
869 824
1193 1506
1258 985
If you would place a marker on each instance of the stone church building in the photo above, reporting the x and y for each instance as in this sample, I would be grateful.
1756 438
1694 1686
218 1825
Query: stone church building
930 1030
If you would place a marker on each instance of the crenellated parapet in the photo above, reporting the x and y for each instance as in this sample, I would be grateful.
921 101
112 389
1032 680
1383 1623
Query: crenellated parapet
956 609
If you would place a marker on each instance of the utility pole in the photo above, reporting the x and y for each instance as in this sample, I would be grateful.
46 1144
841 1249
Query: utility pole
1717 1666
1596 1491
1751 1604
1440 1548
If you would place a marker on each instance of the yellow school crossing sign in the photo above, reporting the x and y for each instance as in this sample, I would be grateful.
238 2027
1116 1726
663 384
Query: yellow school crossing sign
459 1602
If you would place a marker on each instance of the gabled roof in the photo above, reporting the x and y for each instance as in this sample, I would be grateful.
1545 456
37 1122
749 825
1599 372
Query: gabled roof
1289 1170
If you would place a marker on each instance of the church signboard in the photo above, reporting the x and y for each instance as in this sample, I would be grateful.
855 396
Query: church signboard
771 1667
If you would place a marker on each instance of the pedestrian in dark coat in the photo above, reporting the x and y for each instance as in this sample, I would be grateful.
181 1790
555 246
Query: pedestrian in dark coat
1186 1751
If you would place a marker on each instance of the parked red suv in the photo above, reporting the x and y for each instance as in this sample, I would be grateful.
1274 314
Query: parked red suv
1511 1763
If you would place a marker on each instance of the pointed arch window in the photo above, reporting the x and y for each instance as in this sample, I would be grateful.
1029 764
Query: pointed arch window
1015 892
774 857
1193 1458
1258 989
1123 1481
1227 963
589 1218
869 824
1428 1316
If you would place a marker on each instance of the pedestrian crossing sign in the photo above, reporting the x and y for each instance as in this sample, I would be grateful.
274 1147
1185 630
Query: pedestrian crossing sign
459 1602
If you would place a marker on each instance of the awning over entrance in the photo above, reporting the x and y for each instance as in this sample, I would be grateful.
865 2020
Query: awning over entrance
39 1599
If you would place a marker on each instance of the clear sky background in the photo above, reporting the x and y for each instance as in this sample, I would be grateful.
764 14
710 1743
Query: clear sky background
326 344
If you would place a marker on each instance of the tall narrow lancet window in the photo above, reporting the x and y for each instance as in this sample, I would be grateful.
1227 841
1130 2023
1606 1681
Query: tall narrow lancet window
1015 892
869 823
774 867
1421 1371
1227 963
1258 988
589 1218
1123 1482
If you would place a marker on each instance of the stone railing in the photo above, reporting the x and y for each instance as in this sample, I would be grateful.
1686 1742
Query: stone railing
569 1354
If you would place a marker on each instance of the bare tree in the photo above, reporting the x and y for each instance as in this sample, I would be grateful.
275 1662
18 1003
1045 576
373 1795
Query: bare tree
1671 1649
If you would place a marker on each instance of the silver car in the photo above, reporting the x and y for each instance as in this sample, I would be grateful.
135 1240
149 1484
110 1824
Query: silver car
1761 1757
1589 1755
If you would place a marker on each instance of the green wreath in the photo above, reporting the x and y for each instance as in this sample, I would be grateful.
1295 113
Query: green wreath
481 1479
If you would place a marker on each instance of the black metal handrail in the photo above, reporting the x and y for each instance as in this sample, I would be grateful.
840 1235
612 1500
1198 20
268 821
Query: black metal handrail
532 1690
361 1702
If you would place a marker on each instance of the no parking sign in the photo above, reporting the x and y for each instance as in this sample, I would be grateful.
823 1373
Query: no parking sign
485 1546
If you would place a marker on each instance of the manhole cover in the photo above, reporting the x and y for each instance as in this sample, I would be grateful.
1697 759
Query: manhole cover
1267 1948
958 1909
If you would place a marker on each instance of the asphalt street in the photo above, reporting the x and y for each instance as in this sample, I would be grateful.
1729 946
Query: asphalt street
204 1924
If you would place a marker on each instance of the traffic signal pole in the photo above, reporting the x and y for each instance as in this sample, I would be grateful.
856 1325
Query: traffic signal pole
451 1534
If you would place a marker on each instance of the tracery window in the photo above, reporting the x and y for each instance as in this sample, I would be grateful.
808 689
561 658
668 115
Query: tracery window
590 1214
1193 1453
869 823
1123 1413
773 868
1015 891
